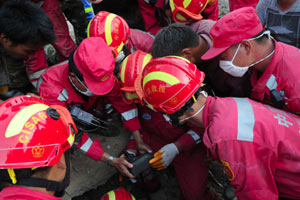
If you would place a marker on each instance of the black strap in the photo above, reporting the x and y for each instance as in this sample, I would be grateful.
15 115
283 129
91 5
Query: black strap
187 106
73 68
277 99
48 184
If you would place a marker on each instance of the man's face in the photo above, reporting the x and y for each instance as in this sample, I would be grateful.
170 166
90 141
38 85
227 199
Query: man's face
22 51
19 51
191 117
194 116
242 56
199 51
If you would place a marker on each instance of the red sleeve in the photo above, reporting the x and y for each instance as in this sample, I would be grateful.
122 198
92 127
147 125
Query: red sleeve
250 168
92 149
128 112
53 95
37 62
190 139
202 28
211 11
140 40
148 14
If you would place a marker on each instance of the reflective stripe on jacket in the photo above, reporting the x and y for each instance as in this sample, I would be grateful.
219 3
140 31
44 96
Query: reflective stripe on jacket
258 146
282 75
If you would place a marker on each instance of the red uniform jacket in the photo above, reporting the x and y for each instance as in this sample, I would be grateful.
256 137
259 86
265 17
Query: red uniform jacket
140 40
20 193
56 89
258 146
282 75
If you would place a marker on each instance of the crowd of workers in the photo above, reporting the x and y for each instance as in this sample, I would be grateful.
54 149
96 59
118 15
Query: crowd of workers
188 87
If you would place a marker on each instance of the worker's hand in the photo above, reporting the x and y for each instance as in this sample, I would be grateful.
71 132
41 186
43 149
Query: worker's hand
163 158
143 148
122 165
140 145
95 1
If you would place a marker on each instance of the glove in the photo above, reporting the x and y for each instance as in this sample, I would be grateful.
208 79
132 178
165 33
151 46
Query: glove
163 158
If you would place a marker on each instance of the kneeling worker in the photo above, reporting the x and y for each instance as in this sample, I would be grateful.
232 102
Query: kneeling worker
258 145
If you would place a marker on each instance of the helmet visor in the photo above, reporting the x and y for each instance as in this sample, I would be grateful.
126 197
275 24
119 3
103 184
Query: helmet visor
29 157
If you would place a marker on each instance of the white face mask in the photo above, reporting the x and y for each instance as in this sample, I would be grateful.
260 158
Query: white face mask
88 92
194 115
120 57
238 71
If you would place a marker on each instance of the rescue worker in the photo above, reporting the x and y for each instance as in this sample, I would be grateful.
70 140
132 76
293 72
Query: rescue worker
181 40
87 80
63 45
241 43
37 64
258 145
280 17
24 30
118 194
157 13
115 31
181 147
35 142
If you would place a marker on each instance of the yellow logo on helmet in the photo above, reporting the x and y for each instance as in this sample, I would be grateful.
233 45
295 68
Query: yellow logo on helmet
38 151
25 121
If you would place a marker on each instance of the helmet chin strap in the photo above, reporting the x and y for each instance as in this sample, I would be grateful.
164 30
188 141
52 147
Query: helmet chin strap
58 187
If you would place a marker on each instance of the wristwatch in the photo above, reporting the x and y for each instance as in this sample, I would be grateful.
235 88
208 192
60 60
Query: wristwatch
110 160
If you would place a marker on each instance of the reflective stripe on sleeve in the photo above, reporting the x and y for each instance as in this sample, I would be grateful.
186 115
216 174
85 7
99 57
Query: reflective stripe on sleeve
86 146
246 120
272 83
36 75
63 95
130 114
34 78
39 84
195 136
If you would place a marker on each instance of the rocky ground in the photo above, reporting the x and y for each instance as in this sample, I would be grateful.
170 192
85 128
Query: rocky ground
91 179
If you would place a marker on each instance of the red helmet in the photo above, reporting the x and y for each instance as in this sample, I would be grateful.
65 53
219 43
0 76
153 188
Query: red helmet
112 28
33 134
169 82
183 10
118 194
131 67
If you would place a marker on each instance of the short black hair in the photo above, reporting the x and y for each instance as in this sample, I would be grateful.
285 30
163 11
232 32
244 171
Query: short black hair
23 22
172 39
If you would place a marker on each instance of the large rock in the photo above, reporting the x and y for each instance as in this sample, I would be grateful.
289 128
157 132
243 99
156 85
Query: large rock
223 8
